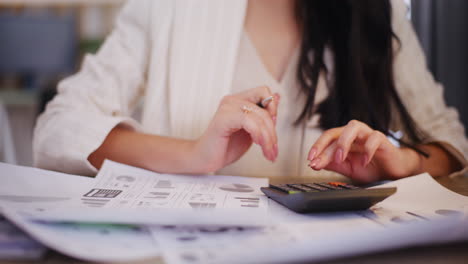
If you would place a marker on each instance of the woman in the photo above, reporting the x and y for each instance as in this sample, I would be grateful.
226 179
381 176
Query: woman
334 77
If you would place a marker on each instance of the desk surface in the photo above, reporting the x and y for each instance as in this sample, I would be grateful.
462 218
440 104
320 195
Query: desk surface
446 253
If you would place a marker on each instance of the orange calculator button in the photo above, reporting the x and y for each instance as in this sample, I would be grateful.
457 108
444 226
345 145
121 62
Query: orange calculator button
337 184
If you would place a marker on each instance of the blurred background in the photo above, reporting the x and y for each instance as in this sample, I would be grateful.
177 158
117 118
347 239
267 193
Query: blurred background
43 41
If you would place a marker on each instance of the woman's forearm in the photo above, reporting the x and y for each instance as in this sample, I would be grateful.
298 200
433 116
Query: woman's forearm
156 153
439 163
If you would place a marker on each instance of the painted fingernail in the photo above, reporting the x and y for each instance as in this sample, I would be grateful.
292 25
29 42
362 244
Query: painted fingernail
312 163
273 152
313 152
269 155
315 163
278 97
339 155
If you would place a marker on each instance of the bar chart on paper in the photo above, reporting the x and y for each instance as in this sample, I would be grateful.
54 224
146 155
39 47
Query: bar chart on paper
119 186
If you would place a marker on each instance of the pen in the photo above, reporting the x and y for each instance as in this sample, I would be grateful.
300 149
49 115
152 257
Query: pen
264 103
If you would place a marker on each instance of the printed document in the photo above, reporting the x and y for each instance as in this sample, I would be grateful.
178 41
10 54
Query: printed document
128 195
170 212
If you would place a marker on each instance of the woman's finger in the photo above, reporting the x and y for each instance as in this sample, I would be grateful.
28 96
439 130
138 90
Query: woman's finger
272 107
236 113
324 141
258 94
353 130
255 125
374 141
324 158
263 113
343 168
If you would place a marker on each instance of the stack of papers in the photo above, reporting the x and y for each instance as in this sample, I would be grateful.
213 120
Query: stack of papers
16 245
127 214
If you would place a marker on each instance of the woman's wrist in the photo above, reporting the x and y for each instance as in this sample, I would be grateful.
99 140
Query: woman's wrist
410 162
200 156
198 160
416 162
183 157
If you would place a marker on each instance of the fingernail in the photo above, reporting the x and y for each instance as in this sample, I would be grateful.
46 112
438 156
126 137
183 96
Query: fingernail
274 119
339 155
313 152
268 154
312 163
315 163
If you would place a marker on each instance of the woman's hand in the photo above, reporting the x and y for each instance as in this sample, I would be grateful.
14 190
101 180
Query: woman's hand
238 123
363 154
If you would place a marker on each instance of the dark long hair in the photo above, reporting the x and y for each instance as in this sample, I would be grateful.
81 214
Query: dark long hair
359 34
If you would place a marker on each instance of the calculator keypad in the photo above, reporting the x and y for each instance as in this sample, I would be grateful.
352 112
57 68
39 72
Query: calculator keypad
285 188
312 187
302 188
325 196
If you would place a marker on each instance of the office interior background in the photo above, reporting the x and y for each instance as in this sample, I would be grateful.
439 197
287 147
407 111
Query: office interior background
43 41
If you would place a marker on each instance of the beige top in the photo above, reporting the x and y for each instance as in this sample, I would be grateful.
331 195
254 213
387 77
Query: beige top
293 147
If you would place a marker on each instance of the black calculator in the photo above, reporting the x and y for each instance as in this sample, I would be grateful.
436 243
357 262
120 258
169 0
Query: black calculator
326 197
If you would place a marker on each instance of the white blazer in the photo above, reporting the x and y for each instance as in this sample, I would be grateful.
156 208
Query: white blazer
179 57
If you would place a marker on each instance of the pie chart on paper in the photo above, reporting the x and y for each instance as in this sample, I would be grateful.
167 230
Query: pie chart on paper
236 187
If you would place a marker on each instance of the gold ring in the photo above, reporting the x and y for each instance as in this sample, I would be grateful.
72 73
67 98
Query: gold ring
246 109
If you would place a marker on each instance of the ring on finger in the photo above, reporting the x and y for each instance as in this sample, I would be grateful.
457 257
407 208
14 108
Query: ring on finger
246 109
264 103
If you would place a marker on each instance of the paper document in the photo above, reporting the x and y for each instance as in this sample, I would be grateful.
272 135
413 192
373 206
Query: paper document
121 186
16 245
36 188
215 219
125 194
91 242
425 214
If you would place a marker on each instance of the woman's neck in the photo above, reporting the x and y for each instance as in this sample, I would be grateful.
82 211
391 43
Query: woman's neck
274 31
274 13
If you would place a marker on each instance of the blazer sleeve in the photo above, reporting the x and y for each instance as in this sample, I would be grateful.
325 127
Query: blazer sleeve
421 94
99 97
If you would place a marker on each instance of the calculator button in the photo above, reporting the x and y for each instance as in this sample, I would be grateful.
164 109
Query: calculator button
352 187
284 188
302 187
328 186
337 184
316 186
343 185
